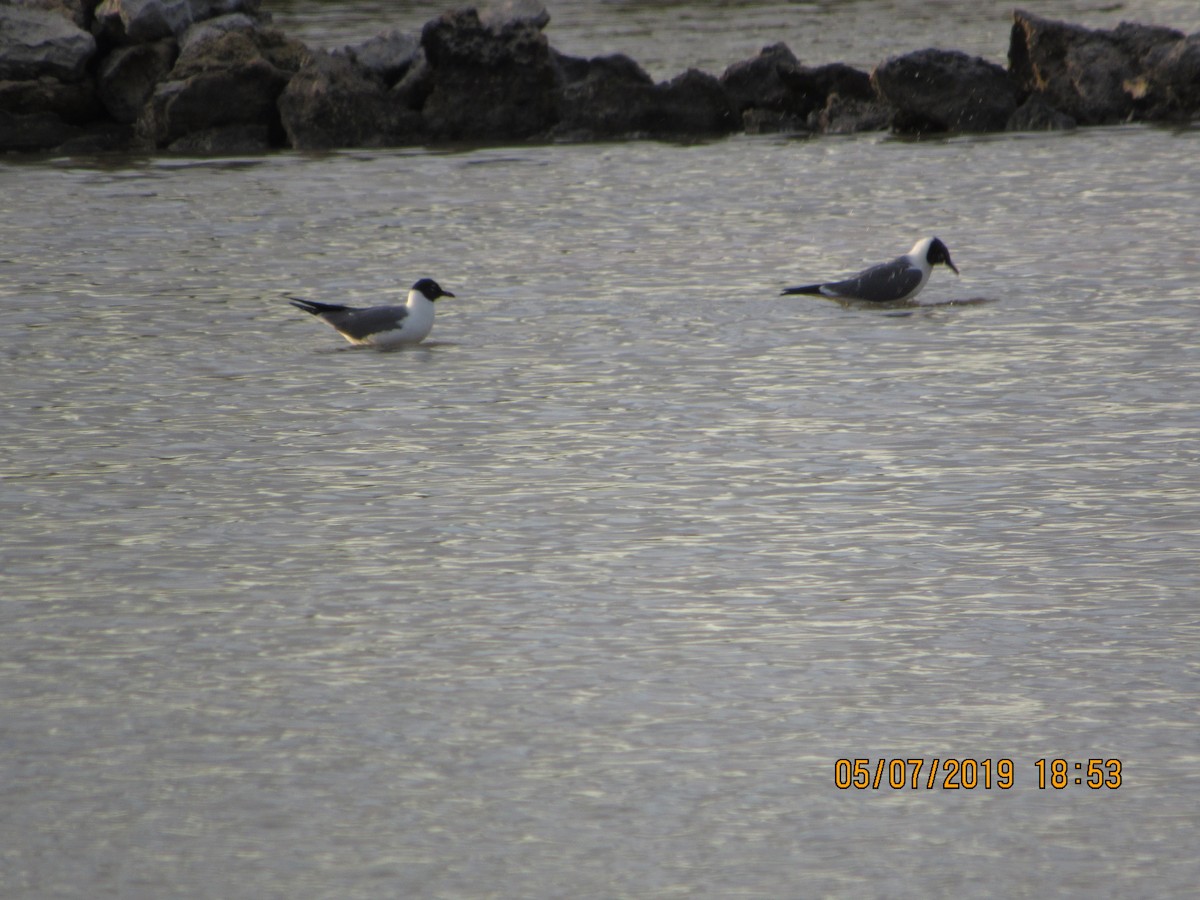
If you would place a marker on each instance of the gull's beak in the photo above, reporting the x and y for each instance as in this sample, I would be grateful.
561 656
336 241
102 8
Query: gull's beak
951 265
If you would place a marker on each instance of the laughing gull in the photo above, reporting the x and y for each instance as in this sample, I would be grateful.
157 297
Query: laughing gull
889 282
383 327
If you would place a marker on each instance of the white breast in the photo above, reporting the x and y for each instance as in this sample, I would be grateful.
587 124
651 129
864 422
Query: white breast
414 327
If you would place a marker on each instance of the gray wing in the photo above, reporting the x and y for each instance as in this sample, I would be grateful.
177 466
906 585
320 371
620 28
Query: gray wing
884 283
362 323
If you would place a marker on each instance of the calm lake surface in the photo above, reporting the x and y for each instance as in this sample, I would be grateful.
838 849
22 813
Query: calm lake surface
586 596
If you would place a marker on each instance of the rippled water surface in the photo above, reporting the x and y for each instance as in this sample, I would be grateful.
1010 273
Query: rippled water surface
586 596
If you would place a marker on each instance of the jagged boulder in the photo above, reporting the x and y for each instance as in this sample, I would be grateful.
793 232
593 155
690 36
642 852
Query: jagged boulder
493 81
199 33
33 131
388 56
331 103
73 102
604 97
1094 76
851 114
228 83
1035 114
612 96
945 90
77 11
128 75
36 43
775 92
692 104
138 21
758 82
1173 76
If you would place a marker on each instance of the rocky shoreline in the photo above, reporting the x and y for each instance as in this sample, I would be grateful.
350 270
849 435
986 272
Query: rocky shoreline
213 77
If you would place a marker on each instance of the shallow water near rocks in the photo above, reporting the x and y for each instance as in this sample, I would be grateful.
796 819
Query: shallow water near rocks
586 596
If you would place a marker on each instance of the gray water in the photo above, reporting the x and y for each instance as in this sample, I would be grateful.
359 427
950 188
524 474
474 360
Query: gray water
587 595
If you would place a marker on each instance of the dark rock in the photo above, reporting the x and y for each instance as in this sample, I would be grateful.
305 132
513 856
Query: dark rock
77 11
605 97
776 81
767 121
332 103
243 94
816 85
226 140
36 43
128 75
32 132
414 88
137 21
207 49
99 137
945 90
200 33
693 103
1173 73
850 115
73 102
1093 76
224 81
497 82
1035 114
616 98
503 12
387 56
1139 41
757 83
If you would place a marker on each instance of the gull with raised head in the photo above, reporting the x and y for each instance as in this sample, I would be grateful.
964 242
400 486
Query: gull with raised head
891 282
382 327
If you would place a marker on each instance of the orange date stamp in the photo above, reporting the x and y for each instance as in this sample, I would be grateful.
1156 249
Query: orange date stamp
953 774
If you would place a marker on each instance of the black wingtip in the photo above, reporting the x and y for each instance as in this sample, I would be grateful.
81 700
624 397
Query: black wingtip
312 306
803 289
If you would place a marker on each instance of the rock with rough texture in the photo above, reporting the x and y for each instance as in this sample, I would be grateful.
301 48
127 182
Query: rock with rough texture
945 90
333 103
604 97
128 75
232 81
36 43
201 32
496 82
73 102
758 82
1035 114
32 132
388 56
138 21
612 96
1173 73
692 104
776 82
851 115
78 11
498 13
1094 76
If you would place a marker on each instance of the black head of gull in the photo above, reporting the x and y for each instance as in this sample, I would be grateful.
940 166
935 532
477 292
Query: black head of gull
896 281
382 327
